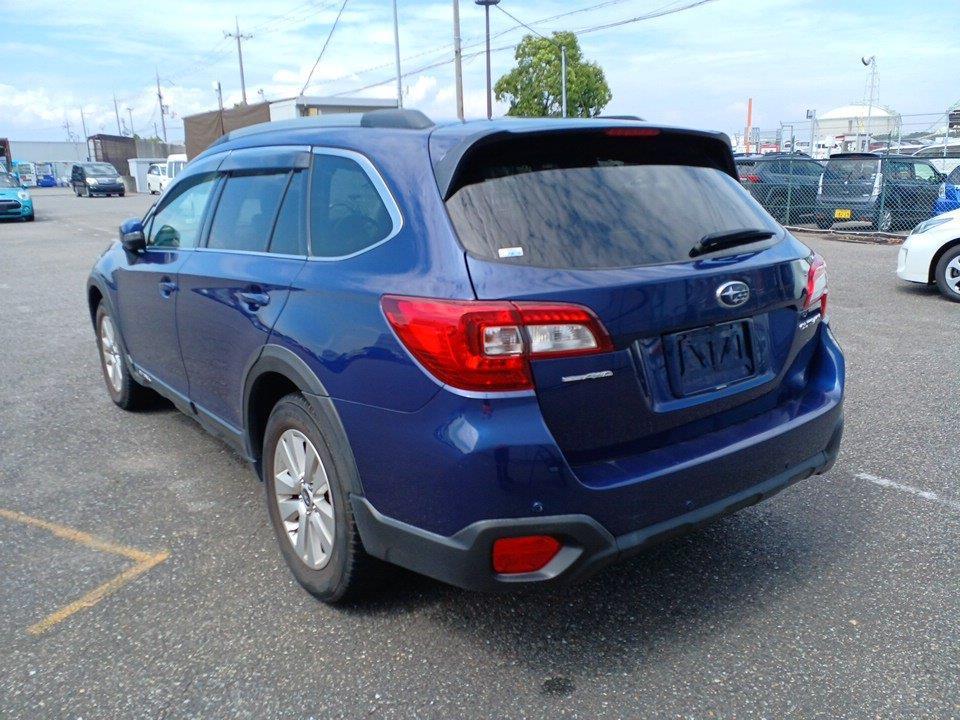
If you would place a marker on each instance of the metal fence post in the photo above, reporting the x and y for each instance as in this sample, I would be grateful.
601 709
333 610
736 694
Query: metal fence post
786 214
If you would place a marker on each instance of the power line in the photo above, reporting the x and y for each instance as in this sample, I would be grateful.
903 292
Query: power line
663 11
323 49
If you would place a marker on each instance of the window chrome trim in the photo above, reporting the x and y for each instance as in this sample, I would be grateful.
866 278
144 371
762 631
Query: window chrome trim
389 202
262 253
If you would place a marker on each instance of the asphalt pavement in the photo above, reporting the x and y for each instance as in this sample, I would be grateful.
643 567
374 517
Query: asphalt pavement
838 598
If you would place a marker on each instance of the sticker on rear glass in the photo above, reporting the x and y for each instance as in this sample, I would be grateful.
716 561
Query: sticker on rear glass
510 252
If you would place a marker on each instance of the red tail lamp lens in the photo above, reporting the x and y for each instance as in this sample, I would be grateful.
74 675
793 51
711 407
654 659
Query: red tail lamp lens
487 346
817 284
528 553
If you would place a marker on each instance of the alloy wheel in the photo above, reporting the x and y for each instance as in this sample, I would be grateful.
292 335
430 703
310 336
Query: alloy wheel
304 498
951 275
109 349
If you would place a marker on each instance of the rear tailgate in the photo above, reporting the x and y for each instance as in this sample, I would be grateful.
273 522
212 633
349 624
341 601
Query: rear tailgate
608 223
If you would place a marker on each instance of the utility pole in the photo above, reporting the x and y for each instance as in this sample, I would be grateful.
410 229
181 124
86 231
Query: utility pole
163 112
239 36
216 86
130 115
83 124
116 111
457 58
396 50
486 8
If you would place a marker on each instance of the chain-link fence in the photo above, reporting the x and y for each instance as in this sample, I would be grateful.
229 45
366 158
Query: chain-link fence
878 173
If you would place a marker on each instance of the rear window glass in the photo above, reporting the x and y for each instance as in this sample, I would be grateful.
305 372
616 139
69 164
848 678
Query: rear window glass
861 169
597 205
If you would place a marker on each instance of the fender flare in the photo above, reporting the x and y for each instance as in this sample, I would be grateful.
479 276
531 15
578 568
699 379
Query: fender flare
278 359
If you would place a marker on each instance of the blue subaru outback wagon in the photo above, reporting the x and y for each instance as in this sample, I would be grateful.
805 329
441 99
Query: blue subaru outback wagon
501 354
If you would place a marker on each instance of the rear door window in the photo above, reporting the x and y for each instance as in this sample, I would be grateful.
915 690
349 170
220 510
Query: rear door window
597 205
246 211
290 232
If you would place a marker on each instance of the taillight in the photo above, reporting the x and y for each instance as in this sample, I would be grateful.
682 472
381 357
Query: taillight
750 178
632 132
487 345
817 284
877 184
820 185
524 554
943 191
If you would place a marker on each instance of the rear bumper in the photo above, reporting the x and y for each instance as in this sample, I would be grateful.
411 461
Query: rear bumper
464 559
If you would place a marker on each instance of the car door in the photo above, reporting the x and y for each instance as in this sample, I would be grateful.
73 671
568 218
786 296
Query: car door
147 290
234 287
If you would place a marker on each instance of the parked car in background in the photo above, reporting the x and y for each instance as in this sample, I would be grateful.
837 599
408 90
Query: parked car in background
891 192
15 201
26 173
945 157
784 183
156 174
949 198
931 254
96 178
500 353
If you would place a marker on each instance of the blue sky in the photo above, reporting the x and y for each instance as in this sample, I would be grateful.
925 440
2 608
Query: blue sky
695 67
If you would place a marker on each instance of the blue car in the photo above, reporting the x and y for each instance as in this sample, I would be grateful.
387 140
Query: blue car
15 201
502 354
949 198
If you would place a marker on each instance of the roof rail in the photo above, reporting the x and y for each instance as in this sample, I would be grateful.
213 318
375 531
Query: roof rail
385 118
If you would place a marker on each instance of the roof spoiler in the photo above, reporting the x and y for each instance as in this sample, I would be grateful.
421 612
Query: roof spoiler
447 169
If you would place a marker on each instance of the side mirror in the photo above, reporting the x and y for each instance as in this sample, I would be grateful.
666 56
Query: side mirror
131 235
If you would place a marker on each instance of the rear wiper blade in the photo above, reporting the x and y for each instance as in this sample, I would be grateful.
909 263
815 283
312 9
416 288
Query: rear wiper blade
729 238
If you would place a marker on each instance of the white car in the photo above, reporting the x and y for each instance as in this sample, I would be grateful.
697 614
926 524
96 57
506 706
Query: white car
931 254
156 175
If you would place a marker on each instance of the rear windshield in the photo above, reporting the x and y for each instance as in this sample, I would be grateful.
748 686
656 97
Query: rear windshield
856 169
954 177
598 205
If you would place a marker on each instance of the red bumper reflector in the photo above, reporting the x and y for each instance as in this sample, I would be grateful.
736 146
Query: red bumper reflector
523 554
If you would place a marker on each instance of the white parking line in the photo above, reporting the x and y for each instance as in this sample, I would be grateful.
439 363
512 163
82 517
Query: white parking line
925 494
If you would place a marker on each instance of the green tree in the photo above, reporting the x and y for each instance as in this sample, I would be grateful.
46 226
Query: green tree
533 87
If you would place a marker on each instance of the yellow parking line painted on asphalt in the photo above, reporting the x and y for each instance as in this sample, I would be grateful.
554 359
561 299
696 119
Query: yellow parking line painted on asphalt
144 561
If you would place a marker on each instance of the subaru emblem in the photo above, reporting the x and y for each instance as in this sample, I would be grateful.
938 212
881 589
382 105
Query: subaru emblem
733 294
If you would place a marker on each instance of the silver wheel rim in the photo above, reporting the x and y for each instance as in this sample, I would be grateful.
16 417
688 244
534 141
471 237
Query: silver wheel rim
110 351
304 498
951 274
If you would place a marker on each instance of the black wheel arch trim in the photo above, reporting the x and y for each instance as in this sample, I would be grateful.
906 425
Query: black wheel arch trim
278 359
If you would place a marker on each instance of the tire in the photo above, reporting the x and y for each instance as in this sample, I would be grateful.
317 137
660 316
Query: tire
30 217
121 194
947 274
344 571
125 392
885 221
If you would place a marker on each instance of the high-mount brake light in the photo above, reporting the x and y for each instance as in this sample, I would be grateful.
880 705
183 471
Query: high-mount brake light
632 132
487 345
816 284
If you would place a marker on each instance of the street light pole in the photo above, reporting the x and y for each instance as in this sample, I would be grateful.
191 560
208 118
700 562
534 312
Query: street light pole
486 7
457 58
